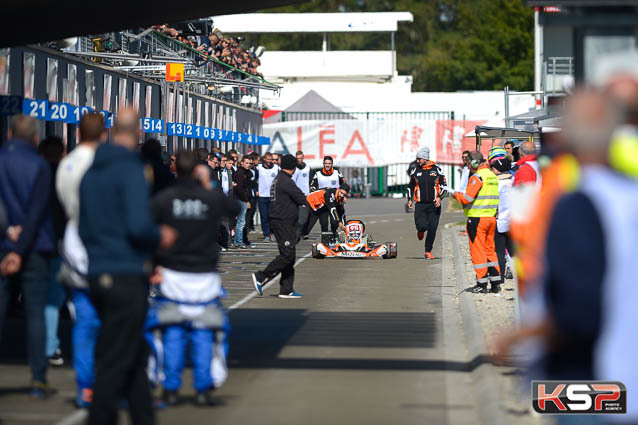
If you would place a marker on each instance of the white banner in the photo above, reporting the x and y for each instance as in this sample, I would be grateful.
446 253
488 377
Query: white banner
353 143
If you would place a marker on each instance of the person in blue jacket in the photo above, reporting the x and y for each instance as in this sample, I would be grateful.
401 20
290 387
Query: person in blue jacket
25 182
120 236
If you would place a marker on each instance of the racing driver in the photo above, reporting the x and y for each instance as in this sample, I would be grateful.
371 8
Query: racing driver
424 190
328 177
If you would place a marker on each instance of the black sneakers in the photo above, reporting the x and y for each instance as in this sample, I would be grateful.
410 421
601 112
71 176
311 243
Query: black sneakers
56 359
478 289
496 289
205 398
170 398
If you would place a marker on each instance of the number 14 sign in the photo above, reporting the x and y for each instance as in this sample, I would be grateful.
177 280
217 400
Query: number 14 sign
149 125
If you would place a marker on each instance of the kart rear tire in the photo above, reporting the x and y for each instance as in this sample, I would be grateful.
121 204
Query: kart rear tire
392 250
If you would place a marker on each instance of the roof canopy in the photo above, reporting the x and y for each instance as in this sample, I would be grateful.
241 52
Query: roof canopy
36 21
502 133
312 102
312 22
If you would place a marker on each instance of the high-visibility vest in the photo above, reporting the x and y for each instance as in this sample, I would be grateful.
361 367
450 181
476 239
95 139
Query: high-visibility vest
486 202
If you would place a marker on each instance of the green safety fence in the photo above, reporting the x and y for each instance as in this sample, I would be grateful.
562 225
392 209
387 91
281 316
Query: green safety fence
418 115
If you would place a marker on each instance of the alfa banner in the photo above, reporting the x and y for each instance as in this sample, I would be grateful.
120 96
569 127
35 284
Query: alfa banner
371 143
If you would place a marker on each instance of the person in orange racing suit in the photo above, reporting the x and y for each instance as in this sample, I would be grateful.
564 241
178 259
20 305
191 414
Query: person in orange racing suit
324 206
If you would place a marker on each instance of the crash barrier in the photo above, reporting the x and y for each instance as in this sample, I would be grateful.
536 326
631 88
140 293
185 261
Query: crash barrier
58 89
388 116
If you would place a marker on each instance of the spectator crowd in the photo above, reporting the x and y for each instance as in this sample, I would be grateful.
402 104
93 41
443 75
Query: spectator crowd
114 225
131 238
225 49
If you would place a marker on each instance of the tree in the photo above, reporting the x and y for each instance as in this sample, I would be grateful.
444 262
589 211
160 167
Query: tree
451 45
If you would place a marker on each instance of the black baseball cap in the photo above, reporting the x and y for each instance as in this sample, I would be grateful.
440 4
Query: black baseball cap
288 162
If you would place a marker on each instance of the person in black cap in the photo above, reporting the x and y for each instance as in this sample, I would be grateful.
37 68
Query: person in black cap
285 200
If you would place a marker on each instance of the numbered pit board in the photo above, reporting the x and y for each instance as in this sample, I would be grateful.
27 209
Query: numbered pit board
10 105
65 112
150 125
35 108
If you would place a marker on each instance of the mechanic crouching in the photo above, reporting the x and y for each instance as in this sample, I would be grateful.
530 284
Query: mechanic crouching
327 206
189 309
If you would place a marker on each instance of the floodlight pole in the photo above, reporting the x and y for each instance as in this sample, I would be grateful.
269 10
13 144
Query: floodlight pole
506 91
394 62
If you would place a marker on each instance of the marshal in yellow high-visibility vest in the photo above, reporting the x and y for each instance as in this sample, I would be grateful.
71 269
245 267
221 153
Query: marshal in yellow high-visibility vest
174 72
486 202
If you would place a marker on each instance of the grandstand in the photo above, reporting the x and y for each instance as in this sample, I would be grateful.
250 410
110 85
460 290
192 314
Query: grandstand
215 103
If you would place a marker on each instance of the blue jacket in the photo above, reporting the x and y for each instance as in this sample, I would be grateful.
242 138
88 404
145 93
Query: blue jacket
116 223
25 182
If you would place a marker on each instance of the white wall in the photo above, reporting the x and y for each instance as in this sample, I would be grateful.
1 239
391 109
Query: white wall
397 96
360 65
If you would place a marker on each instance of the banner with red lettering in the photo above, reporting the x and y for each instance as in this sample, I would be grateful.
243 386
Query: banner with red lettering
451 140
353 143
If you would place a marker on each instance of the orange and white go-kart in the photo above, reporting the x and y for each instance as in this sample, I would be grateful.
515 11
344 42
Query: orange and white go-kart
353 243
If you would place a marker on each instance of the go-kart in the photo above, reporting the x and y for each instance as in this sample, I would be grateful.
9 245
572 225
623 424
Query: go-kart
353 243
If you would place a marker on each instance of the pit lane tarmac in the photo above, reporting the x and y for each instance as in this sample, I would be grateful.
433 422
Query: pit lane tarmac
372 341
365 345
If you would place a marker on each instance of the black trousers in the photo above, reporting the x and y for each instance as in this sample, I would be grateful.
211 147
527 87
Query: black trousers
250 217
121 353
284 263
302 221
324 217
426 219
502 242
223 235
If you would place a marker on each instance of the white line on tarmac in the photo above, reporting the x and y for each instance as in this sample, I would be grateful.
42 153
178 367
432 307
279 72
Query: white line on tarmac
266 286
80 416
371 222
75 418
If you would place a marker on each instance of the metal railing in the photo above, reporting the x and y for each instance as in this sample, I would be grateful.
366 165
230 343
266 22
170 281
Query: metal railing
554 68
146 51
560 65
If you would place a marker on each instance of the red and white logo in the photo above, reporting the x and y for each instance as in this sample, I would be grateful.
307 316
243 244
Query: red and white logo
580 397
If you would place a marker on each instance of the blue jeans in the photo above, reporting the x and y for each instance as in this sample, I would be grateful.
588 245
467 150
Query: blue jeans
33 278
264 212
204 352
56 295
84 338
241 223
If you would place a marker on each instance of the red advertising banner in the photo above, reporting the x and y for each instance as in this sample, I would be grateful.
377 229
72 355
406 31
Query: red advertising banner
451 140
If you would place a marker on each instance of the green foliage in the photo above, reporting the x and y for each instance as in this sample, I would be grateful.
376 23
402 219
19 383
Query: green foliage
451 45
